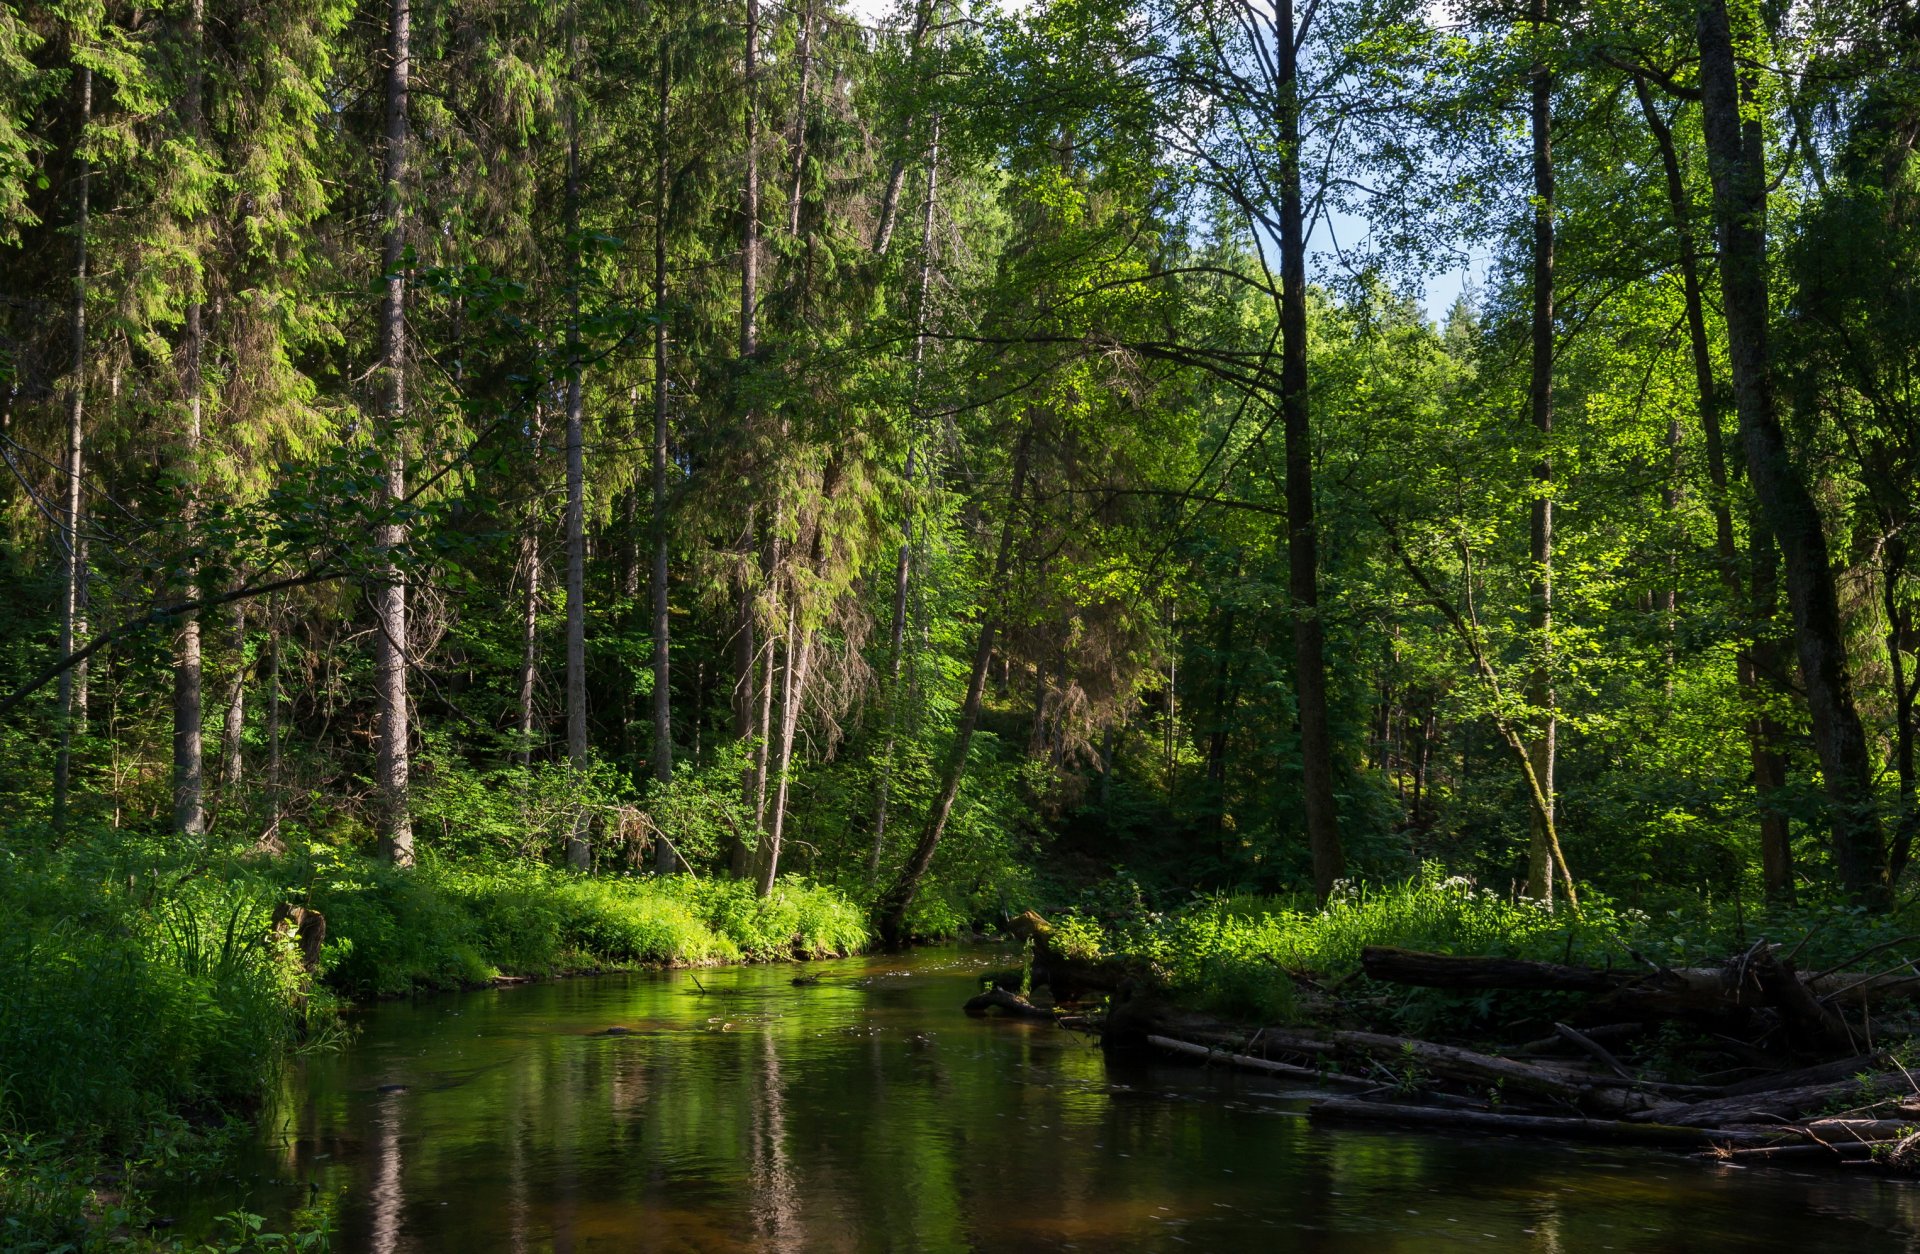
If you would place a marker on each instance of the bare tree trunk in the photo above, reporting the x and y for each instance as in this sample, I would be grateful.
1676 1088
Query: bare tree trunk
233 727
798 184
1303 560
665 859
529 638
1540 695
390 641
746 654
73 626
763 730
579 853
1763 735
189 786
793 694
273 721
890 911
897 173
1736 158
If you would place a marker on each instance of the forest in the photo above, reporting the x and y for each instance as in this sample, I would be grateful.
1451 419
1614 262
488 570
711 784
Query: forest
501 488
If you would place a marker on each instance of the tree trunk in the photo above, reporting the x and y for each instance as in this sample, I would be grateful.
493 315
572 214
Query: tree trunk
1900 647
529 636
746 653
73 627
746 650
233 727
890 911
897 172
395 824
1763 736
799 651
1540 695
273 721
666 861
1736 160
1309 631
799 175
579 853
189 772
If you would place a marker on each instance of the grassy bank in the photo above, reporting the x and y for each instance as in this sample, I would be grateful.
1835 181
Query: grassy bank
1239 956
146 1000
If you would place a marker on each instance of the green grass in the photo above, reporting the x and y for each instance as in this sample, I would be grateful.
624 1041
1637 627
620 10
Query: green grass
442 925
146 1001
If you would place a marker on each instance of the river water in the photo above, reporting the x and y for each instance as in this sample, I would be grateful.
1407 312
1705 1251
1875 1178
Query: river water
865 1112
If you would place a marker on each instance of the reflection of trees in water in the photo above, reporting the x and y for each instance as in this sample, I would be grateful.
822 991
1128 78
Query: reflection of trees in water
387 1198
775 1200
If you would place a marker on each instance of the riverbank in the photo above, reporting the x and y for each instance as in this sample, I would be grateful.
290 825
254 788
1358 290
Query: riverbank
148 1000
1762 1034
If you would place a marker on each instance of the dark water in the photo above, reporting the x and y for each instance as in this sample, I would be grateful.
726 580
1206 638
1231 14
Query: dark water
867 1113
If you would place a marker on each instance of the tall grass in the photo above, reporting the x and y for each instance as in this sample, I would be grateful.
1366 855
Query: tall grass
443 925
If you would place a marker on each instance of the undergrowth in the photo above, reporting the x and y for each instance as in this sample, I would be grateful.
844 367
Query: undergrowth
1238 955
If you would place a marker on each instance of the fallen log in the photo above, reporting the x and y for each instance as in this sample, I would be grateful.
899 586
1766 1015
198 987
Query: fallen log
1247 1062
1860 1129
1781 1105
1425 970
1451 1061
1568 1126
1006 1003
1820 1073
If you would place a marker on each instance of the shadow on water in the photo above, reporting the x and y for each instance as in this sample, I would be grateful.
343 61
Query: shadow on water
865 1112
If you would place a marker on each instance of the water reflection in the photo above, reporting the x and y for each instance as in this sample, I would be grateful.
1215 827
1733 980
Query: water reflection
866 1113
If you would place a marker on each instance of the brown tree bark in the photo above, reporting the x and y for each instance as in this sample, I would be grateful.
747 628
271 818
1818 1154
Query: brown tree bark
1736 158
1309 630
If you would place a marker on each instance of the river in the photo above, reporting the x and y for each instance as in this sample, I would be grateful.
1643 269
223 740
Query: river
738 1111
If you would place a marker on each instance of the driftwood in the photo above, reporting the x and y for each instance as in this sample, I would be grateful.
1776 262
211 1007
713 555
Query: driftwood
1451 1061
1781 1105
1570 1127
1246 1062
1820 1073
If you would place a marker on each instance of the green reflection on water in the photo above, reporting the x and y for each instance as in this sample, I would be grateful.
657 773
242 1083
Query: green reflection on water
866 1113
